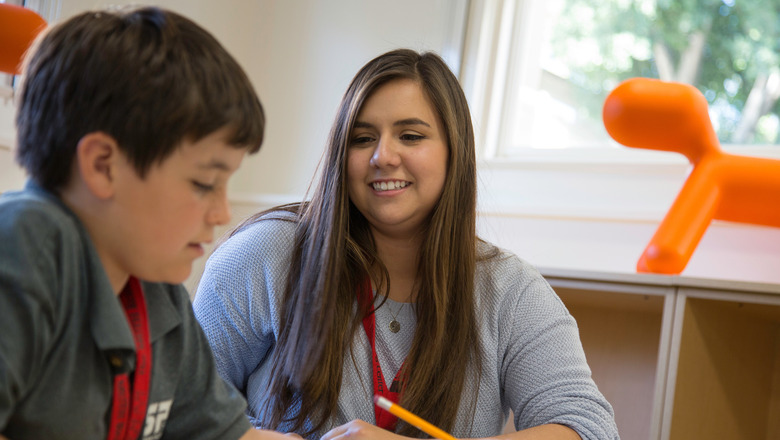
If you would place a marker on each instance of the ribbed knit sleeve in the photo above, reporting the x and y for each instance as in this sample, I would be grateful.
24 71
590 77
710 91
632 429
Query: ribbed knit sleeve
238 297
542 368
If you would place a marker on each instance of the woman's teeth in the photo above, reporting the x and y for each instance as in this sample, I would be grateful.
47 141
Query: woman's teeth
389 186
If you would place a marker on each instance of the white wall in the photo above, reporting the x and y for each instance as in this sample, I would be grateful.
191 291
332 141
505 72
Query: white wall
11 176
300 54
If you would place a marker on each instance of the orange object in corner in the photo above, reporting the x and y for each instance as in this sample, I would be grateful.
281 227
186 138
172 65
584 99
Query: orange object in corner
668 116
18 28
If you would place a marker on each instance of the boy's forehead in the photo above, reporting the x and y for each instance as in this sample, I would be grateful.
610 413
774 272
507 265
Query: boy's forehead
215 163
212 152
221 158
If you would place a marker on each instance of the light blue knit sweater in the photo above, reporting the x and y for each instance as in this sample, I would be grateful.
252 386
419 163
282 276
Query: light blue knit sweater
533 360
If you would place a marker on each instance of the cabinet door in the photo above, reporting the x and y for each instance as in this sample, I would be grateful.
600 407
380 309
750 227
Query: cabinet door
724 375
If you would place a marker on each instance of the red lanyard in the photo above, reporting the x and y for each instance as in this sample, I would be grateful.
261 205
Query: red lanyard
384 419
128 413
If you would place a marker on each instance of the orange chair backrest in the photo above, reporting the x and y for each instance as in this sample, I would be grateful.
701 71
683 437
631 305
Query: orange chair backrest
18 28
649 113
658 115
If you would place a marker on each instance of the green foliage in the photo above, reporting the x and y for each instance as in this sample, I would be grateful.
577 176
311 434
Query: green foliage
604 43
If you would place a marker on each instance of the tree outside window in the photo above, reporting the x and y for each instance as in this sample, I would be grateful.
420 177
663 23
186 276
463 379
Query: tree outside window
574 52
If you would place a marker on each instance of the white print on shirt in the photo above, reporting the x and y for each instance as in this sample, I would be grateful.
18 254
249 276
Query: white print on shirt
156 416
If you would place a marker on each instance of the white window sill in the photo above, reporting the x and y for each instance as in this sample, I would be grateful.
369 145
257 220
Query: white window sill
613 156
604 184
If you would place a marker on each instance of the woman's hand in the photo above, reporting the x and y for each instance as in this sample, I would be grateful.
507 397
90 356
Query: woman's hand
359 430
262 434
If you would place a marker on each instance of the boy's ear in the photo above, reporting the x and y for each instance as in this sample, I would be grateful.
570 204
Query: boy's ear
97 156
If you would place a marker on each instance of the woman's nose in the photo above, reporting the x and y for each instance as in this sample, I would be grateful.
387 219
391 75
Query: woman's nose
385 154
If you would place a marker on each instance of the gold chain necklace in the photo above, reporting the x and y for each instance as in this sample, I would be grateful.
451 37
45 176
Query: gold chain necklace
395 326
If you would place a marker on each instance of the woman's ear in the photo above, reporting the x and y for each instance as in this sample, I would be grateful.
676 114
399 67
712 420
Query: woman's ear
97 156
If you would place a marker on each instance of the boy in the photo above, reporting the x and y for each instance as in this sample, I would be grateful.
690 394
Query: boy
129 125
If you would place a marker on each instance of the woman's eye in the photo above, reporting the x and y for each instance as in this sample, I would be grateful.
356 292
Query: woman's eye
409 137
361 140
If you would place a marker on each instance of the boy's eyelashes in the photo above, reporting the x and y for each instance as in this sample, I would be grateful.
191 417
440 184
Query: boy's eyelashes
203 187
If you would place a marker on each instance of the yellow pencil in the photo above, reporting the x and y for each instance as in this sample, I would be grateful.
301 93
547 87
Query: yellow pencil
411 419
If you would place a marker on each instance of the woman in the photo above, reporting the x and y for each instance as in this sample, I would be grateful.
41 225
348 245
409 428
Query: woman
313 308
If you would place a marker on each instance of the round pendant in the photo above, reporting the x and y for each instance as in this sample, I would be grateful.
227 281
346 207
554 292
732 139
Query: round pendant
395 327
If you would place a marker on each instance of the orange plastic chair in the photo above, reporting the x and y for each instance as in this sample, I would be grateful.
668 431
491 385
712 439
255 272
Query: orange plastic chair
18 28
667 116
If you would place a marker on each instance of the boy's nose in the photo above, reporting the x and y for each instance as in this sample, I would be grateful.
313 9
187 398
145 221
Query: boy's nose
219 214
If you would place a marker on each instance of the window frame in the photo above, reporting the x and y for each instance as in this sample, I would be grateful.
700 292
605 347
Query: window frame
617 185
489 42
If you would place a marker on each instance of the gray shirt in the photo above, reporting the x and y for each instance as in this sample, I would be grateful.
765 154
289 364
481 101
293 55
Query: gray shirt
60 321
533 360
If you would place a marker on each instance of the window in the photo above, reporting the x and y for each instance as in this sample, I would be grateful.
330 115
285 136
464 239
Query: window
537 71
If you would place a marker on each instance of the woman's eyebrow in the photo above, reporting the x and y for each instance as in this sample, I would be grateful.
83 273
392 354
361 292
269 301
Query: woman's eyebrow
411 121
361 124
402 122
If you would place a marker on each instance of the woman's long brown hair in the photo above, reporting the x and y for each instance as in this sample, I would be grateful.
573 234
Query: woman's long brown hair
334 251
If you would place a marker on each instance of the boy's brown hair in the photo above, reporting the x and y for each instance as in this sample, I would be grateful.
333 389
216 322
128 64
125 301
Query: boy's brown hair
147 77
